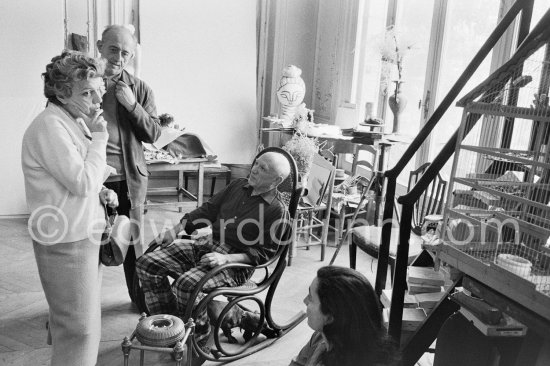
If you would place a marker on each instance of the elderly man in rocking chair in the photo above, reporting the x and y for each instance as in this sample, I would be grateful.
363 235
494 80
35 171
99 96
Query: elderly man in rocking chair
242 217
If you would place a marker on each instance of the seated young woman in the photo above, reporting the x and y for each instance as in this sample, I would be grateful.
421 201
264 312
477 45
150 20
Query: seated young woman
344 312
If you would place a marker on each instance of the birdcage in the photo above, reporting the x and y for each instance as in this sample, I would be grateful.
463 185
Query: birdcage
497 215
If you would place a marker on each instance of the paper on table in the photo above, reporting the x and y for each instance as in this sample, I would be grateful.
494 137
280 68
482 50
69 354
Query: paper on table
167 135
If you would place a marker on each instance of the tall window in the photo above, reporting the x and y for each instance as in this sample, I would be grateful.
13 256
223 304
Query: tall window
467 26
445 34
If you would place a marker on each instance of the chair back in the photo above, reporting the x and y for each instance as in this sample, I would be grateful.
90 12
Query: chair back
319 181
431 200
290 194
366 156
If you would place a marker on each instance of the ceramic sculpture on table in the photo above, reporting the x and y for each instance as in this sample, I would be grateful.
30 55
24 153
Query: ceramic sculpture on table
291 92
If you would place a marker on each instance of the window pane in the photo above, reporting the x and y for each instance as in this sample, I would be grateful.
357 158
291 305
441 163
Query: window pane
414 70
468 25
373 24
539 8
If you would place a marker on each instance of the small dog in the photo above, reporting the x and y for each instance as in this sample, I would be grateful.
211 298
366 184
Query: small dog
249 323
237 317
231 320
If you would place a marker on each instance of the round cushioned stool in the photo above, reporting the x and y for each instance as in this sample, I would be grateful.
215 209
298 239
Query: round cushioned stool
160 333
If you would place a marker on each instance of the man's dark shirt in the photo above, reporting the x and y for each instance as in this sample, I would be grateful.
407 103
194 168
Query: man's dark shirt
253 217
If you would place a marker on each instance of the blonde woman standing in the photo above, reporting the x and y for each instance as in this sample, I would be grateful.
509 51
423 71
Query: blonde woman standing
64 165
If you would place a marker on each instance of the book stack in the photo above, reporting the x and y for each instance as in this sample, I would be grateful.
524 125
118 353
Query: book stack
410 300
424 279
412 318
428 300
426 285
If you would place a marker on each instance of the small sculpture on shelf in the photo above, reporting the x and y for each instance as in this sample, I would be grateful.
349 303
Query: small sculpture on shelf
291 92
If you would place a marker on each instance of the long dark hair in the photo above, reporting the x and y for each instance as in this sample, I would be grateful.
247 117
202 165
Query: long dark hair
356 335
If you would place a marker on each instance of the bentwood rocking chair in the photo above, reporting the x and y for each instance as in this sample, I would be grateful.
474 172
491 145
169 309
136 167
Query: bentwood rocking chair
265 279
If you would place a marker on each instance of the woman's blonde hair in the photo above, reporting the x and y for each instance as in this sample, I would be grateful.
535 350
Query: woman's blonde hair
65 69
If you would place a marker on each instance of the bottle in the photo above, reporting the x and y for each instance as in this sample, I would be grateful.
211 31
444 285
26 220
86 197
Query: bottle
368 111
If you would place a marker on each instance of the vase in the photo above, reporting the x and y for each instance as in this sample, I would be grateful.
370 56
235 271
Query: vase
397 103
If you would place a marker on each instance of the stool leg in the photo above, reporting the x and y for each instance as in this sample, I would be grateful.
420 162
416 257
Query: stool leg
126 347
142 358
178 353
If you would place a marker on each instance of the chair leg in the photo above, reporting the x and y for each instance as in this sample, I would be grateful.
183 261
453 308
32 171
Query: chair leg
341 223
352 255
324 236
213 187
391 262
293 241
309 229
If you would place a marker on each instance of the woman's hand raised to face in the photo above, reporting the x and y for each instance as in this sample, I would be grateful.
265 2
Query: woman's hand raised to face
97 123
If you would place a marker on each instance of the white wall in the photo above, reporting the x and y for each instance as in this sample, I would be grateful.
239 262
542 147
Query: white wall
200 60
199 57
31 33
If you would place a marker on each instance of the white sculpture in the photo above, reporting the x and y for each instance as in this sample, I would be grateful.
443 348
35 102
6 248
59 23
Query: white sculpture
291 92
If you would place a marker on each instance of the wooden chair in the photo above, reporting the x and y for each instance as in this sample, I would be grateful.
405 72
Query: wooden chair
364 165
367 238
313 211
265 279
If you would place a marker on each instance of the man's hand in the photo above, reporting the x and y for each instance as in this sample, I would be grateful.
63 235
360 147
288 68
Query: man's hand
108 197
125 96
214 259
167 237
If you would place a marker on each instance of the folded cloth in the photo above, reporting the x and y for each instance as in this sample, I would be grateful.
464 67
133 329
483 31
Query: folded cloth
189 145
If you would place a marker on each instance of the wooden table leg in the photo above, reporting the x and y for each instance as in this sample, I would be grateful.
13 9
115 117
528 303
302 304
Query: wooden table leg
180 186
200 182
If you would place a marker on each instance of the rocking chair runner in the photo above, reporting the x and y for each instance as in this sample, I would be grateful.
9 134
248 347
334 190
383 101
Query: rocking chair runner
272 272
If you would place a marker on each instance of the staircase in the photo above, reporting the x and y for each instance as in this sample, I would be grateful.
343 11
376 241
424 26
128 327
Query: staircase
423 336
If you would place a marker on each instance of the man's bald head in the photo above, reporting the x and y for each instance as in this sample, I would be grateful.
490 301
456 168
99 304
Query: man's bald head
117 46
118 31
279 163
269 170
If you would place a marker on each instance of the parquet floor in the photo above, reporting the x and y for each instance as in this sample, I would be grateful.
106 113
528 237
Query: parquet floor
24 308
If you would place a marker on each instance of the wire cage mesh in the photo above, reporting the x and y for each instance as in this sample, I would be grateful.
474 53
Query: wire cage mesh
498 206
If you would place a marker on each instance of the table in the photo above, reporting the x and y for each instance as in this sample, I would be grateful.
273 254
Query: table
182 165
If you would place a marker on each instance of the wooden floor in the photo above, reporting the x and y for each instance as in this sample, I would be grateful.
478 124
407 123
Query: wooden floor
25 311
